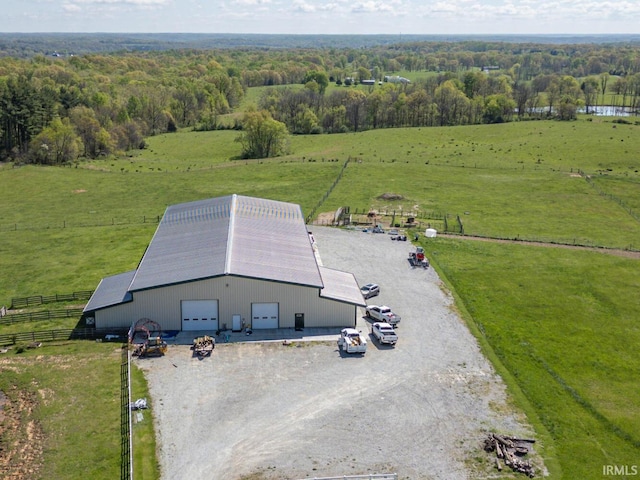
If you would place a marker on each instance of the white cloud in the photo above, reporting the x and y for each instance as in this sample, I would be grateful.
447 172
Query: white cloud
535 10
71 8
371 6
251 2
122 2
302 6
330 16
329 7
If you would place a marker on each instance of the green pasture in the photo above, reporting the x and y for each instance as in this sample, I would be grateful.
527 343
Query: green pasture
563 324
145 463
559 324
71 408
253 94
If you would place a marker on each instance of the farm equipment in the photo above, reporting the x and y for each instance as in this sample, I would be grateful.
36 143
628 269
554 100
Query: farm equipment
153 347
203 346
418 258
145 338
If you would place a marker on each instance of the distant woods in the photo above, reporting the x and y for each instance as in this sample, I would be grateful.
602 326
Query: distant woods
56 109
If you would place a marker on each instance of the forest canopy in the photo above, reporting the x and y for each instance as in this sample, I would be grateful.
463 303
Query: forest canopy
58 107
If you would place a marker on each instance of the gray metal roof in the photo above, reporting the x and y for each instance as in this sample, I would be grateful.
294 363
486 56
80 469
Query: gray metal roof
232 235
111 291
341 286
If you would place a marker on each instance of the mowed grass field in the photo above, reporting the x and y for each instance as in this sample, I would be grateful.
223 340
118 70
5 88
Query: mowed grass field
560 324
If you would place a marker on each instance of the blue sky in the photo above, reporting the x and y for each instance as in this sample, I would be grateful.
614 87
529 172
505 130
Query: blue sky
327 17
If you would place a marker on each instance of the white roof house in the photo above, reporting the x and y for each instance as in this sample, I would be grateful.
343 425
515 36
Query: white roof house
234 262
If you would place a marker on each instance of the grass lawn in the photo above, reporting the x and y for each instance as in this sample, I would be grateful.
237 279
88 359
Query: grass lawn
563 323
67 397
559 323
145 463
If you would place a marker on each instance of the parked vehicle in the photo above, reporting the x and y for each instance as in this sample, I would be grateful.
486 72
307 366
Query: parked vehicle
418 258
382 313
384 333
352 341
370 290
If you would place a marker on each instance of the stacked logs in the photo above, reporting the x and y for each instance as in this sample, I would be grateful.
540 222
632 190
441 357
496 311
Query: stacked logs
510 450
203 345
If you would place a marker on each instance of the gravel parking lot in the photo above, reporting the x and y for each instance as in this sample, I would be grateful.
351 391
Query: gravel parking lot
266 410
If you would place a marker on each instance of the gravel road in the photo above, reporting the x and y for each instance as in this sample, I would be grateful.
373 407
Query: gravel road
266 410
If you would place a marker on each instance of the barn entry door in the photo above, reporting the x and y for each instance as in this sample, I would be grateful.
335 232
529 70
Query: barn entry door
264 315
199 315
236 323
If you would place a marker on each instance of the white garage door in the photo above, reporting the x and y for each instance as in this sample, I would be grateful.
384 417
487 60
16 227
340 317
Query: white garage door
264 315
199 315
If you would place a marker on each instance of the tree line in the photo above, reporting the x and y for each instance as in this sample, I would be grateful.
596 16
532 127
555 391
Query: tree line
55 109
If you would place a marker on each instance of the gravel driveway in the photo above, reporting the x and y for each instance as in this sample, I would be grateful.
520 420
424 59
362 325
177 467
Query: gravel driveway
266 410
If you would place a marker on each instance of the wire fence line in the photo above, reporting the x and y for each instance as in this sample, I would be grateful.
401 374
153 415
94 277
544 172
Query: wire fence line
312 214
610 196
126 439
82 223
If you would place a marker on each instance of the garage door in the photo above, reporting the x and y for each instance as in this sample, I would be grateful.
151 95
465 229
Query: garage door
199 315
264 315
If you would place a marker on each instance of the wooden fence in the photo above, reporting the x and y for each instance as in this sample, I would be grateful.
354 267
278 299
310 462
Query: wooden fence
23 302
42 315
62 334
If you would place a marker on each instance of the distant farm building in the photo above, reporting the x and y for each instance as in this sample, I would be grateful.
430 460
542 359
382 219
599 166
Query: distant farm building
396 79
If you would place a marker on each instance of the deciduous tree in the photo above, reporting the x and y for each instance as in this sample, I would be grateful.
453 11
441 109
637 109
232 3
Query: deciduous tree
262 136
56 144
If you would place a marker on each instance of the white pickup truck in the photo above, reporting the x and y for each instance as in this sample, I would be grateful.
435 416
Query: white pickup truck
352 341
384 333
382 313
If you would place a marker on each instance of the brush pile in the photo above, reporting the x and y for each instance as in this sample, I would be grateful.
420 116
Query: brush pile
510 450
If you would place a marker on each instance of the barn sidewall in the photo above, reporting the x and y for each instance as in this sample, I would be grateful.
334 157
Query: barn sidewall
235 295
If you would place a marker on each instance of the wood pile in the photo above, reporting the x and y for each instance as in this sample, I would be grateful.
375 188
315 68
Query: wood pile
510 450
203 346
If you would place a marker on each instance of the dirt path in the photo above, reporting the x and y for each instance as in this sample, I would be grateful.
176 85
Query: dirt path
609 251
